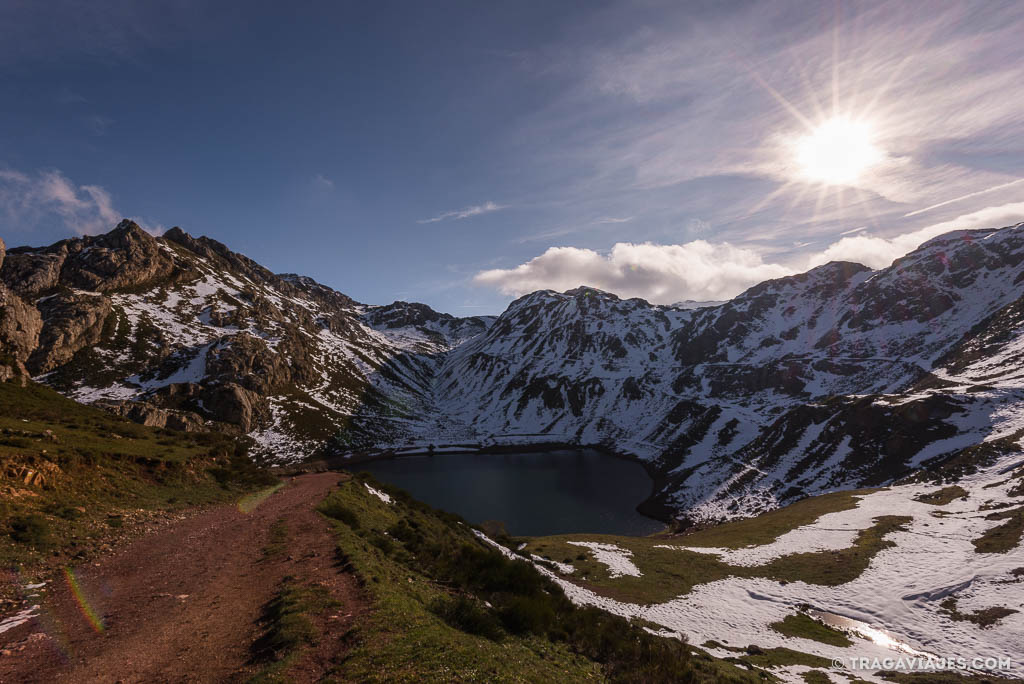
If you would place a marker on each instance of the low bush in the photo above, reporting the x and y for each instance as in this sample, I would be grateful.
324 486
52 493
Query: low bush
469 616
527 614
32 530
333 508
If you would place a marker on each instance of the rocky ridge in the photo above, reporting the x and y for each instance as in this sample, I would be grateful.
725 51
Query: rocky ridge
838 377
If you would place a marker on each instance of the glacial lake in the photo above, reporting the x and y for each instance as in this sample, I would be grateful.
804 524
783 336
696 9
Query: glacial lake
534 494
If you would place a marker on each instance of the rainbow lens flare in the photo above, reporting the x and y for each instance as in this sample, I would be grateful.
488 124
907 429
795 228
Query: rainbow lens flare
90 615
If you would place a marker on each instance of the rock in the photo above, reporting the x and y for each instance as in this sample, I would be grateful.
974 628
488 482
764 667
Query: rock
147 414
247 360
31 273
20 326
125 257
71 322
32 471
232 403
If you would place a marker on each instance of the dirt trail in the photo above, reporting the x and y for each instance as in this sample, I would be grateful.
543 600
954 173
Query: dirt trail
183 604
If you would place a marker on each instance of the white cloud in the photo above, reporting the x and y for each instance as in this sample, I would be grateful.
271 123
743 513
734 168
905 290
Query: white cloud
661 274
29 199
322 182
701 270
476 210
613 219
878 252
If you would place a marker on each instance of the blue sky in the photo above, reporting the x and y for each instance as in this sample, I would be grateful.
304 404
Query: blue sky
460 153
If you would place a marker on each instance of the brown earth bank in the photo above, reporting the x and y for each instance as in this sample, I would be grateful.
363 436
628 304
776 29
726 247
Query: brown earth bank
184 604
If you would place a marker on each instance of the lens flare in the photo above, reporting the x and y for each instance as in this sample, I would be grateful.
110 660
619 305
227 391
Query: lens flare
90 615
249 502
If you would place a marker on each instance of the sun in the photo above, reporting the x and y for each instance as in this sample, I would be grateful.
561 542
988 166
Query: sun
837 152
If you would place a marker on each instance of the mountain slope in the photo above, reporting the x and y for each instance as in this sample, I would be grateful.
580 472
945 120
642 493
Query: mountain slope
835 378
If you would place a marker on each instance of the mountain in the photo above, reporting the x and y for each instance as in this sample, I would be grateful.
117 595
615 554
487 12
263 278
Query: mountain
835 378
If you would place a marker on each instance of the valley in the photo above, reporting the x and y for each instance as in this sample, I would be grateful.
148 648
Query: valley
823 469
782 392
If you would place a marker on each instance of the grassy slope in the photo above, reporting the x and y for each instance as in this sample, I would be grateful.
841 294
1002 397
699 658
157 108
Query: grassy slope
668 573
100 475
766 528
1005 537
804 626
407 640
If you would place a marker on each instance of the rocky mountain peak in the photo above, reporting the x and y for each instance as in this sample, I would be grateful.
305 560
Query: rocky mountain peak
752 401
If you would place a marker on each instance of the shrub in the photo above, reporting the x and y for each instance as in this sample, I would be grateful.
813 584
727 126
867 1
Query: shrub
333 508
527 614
62 510
469 616
381 542
31 529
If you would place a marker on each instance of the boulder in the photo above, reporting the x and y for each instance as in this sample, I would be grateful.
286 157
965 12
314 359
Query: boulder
234 404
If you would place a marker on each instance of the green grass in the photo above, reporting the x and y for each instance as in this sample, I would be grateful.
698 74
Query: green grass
669 573
446 607
277 545
984 618
767 527
289 627
782 657
1005 537
944 496
816 677
804 626
93 475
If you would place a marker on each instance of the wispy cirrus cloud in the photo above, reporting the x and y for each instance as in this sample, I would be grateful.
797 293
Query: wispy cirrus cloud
467 212
322 182
714 100
613 219
28 199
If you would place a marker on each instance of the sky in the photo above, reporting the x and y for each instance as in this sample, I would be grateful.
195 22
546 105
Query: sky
461 154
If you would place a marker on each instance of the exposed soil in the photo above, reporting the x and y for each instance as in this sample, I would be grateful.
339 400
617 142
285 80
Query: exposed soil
183 604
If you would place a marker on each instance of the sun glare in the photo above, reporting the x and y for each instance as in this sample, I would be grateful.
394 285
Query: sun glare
837 152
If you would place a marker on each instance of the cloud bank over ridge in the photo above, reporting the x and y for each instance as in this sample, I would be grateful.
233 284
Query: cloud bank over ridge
701 270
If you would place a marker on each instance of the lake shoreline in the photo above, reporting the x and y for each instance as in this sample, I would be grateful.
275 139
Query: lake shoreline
351 462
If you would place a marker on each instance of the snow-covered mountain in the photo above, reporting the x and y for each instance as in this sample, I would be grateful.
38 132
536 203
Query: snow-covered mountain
838 377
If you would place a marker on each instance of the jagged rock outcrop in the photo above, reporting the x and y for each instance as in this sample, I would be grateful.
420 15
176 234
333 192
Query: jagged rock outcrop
71 322
231 403
20 325
147 414
125 257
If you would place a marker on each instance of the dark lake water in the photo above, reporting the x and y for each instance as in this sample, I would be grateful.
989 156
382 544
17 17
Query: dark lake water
534 494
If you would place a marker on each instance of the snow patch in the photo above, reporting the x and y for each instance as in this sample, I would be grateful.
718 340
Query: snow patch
615 558
379 494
